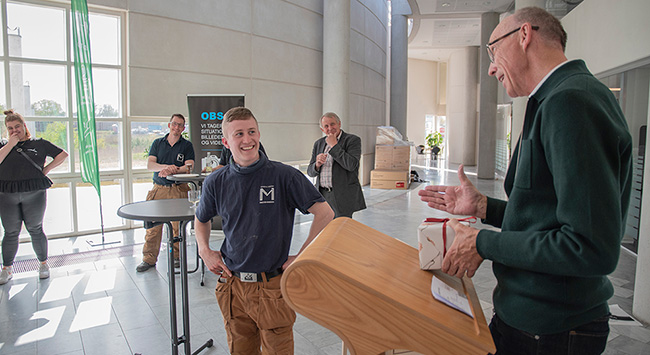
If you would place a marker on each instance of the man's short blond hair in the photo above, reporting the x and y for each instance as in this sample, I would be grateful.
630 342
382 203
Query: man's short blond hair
236 114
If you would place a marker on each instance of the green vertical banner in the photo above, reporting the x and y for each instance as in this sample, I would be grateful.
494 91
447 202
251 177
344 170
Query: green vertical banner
85 96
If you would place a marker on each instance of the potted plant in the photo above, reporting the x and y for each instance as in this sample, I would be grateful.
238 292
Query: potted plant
434 142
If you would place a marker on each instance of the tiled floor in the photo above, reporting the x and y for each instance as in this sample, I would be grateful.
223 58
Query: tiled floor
105 307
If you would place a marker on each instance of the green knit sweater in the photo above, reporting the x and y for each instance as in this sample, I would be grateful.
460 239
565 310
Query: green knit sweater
568 189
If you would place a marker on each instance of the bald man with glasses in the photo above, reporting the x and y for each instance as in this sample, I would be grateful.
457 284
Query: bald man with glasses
568 188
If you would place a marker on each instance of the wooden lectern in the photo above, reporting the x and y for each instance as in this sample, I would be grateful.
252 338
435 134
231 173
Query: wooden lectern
368 288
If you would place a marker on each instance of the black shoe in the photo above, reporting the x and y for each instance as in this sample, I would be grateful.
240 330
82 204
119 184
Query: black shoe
144 267
177 263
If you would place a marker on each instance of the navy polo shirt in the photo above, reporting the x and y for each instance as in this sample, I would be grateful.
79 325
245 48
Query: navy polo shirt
257 205
166 154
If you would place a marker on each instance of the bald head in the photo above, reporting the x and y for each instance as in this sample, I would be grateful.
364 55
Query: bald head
550 28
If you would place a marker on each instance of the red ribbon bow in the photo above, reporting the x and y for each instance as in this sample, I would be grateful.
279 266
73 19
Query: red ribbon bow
444 228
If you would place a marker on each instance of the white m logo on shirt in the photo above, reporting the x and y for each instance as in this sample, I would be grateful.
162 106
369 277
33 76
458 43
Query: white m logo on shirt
267 194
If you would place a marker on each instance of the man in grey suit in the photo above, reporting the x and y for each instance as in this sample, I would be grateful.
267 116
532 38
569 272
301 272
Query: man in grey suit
335 164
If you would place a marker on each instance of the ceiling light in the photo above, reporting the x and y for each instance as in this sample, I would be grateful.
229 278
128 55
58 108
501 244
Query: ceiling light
615 89
446 4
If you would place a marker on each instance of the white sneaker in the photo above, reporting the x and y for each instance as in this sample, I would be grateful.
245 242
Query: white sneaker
6 275
43 270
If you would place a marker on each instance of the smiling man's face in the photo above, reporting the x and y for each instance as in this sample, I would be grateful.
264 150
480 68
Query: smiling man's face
508 62
242 137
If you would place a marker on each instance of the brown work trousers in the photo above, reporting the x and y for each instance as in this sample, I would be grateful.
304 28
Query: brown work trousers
153 236
255 316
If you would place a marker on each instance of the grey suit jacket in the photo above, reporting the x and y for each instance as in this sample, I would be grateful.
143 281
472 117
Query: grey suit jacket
345 172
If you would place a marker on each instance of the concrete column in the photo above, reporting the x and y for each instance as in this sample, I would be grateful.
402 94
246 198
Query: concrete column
641 306
519 103
399 65
488 87
336 59
462 81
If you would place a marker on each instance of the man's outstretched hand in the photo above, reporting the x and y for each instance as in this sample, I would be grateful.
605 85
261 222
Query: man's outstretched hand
458 200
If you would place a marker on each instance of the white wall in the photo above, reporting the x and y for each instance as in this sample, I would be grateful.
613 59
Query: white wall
422 97
271 51
608 34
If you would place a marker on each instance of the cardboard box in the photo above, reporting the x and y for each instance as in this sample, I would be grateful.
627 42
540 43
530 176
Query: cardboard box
392 157
391 166
389 184
390 175
390 179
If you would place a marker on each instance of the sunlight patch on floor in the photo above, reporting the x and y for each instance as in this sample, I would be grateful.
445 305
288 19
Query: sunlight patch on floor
52 316
14 290
103 280
92 313
61 288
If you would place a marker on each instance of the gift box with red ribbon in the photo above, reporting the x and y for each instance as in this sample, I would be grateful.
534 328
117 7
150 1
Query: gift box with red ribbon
435 237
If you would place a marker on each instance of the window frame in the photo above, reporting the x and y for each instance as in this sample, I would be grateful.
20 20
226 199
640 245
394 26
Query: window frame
72 177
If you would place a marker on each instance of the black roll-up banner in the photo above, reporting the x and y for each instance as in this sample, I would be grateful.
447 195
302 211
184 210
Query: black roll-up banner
206 114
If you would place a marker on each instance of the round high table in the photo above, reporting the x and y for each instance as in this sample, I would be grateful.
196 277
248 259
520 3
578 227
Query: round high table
166 211
195 180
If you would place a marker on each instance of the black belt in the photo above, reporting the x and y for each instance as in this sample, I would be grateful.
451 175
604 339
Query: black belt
256 276
170 185
328 189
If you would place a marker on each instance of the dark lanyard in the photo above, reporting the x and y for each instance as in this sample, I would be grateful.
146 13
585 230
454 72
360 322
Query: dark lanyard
20 150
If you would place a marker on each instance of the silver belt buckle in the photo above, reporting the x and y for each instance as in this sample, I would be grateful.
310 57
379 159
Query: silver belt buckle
248 276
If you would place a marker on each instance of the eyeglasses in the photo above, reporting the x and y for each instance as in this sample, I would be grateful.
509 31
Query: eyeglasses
489 49
176 124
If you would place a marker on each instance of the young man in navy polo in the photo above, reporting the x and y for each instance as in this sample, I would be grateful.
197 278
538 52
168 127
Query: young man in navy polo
256 199
168 155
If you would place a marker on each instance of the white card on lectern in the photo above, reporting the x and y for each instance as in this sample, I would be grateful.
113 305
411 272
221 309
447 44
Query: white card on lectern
449 296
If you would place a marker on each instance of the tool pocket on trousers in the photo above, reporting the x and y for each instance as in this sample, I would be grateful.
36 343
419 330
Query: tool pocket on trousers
223 293
151 194
274 312
184 188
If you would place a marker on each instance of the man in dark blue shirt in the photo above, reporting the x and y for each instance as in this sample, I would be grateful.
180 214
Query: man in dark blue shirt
256 199
169 155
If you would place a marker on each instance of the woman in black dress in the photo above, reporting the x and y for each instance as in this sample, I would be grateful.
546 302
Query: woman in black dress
23 185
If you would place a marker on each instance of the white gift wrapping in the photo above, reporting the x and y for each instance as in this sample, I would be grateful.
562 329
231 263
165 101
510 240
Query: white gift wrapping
435 237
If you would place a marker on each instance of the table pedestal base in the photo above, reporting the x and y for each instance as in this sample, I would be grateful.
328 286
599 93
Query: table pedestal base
185 338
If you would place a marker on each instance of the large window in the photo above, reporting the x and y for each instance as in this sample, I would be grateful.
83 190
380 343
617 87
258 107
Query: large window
36 31
142 135
36 53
